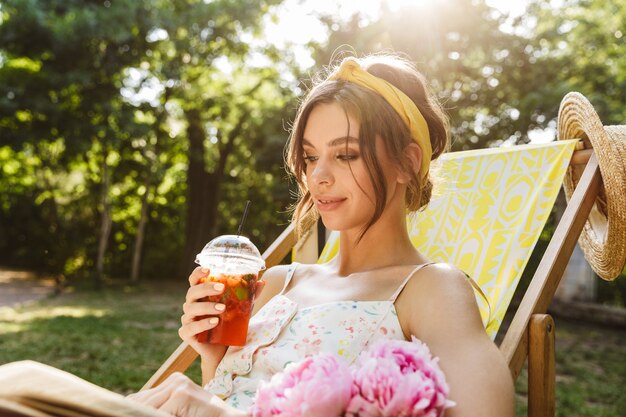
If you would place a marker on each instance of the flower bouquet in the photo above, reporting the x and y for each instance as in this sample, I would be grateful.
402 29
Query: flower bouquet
393 378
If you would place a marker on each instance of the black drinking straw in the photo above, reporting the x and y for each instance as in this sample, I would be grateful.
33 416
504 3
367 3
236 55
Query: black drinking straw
243 218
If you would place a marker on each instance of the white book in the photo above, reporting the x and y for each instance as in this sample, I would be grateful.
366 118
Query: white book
32 389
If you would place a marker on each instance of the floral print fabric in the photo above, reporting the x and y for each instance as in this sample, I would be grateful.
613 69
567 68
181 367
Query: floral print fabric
281 333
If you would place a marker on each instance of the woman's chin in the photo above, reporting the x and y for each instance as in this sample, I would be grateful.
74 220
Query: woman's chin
333 226
338 225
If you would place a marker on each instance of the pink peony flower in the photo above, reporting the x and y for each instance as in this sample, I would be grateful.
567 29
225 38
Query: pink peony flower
316 387
398 379
393 378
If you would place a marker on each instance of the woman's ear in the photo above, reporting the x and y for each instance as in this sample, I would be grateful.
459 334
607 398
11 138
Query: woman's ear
413 154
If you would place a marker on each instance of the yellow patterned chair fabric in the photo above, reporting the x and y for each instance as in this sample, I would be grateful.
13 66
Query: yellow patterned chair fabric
486 216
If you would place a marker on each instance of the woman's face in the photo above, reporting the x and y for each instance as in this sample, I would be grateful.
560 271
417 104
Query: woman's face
336 176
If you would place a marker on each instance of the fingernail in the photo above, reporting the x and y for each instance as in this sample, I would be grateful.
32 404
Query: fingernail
213 320
205 270
220 307
219 286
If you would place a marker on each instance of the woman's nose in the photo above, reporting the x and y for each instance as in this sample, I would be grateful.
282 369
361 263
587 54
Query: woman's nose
322 174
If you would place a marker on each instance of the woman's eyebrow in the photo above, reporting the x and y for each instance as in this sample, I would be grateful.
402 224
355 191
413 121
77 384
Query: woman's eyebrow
335 142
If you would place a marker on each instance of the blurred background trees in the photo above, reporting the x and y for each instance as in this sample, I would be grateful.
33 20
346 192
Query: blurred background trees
131 132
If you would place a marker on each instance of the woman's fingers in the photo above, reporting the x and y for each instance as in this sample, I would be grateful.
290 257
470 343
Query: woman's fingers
197 273
156 397
207 289
192 328
199 308
180 396
192 401
259 288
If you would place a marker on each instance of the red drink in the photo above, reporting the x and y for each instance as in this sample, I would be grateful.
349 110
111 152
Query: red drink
235 262
238 297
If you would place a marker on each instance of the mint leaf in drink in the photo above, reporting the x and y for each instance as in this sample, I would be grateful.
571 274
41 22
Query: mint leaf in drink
241 293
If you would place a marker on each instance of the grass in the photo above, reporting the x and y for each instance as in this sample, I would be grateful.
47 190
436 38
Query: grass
115 338
118 337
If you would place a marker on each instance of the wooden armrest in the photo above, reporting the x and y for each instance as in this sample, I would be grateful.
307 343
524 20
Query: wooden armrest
541 366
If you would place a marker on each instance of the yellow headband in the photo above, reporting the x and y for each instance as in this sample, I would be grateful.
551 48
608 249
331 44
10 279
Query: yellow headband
351 71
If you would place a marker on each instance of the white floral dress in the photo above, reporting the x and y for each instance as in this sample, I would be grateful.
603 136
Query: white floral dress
281 333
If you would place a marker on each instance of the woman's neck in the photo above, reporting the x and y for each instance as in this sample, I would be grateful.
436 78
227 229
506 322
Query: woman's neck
384 244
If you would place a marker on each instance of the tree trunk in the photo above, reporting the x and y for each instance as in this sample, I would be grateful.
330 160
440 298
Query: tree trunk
56 256
105 223
141 231
203 188
202 195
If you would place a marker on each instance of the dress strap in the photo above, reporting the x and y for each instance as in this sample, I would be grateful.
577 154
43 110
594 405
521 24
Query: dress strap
290 272
401 287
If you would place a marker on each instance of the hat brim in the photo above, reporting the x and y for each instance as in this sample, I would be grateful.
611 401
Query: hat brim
603 239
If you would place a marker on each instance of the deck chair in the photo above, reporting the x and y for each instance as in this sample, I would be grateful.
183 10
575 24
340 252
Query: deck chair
495 203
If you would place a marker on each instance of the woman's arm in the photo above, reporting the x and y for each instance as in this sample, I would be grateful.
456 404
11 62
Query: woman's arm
438 306
209 363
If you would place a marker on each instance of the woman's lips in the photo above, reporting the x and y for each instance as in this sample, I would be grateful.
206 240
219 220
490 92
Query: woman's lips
328 203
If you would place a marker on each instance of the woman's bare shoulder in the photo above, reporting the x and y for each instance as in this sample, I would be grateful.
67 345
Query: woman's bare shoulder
274 278
437 279
439 295
440 279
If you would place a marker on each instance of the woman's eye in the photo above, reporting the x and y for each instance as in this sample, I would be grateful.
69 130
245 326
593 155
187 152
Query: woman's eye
308 159
347 157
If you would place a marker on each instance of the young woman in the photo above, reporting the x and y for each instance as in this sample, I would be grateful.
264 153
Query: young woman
360 150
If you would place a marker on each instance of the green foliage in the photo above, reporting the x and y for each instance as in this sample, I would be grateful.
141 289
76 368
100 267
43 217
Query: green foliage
178 110
62 69
61 106
72 103
583 41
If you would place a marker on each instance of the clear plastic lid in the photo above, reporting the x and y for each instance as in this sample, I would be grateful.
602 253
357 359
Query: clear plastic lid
231 253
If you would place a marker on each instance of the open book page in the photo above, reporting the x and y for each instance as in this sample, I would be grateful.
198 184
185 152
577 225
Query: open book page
12 407
32 389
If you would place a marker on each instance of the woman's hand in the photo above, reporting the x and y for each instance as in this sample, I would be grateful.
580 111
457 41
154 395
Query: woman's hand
200 315
180 396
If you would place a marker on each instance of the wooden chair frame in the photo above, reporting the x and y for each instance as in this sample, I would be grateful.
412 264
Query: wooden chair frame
531 332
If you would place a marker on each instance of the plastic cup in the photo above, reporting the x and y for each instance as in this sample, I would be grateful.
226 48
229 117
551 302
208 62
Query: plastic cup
235 262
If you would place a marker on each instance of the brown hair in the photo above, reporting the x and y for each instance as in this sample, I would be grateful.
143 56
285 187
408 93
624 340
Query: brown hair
376 117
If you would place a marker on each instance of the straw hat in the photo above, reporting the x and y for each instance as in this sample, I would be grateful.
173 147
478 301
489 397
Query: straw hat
603 239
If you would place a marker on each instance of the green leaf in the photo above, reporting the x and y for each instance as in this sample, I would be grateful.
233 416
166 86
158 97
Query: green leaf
241 293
